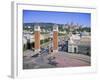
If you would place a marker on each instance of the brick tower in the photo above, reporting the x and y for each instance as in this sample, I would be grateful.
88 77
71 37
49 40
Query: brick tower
55 38
37 38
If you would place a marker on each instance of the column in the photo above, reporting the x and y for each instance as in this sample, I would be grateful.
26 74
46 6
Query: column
37 38
55 38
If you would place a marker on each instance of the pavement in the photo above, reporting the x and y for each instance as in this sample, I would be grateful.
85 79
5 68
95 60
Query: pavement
59 59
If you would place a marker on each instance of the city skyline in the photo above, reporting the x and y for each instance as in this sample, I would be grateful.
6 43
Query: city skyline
31 16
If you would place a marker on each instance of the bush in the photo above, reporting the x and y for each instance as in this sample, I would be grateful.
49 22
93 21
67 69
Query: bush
44 41
41 42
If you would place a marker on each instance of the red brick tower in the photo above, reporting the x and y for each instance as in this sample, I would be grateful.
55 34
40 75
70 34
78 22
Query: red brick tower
55 38
37 38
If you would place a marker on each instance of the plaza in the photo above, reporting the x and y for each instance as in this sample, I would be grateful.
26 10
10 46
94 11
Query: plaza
58 60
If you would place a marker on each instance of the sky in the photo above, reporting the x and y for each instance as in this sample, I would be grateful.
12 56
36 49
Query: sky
31 16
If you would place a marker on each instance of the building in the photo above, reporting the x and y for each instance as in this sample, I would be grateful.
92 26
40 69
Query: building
81 45
84 46
73 43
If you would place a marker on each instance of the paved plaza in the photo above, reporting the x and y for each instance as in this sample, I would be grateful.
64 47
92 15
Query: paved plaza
54 60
